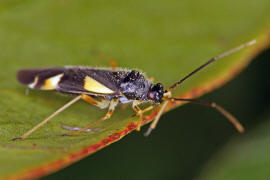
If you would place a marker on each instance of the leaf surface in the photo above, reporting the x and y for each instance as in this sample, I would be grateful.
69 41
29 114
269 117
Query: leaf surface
165 40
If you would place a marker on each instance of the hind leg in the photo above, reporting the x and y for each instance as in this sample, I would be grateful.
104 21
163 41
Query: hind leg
105 58
113 104
103 104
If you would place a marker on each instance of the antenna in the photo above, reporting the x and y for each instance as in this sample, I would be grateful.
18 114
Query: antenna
213 59
220 109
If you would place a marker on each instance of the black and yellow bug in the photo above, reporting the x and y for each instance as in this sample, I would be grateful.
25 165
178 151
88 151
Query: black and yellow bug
105 88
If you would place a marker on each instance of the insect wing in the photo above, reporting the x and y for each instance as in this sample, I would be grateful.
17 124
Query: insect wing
71 80
89 81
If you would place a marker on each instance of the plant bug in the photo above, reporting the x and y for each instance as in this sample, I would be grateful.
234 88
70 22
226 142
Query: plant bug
105 88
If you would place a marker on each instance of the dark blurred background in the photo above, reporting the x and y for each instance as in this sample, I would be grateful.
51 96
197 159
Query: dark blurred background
179 149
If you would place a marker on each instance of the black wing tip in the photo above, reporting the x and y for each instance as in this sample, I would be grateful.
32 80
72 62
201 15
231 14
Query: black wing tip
26 76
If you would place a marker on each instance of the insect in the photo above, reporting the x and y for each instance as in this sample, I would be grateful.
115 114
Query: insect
106 88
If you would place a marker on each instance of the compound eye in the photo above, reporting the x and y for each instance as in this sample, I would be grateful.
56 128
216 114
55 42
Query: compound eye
159 85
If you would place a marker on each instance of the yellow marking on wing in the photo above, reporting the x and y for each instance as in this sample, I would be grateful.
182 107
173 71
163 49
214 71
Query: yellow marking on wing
92 85
52 82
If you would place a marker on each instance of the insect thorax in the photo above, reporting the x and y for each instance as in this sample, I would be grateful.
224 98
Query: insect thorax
134 86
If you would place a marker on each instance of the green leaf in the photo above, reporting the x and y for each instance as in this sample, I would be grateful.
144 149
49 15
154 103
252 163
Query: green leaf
246 157
166 40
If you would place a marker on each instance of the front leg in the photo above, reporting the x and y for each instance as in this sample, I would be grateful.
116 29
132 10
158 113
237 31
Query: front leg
140 112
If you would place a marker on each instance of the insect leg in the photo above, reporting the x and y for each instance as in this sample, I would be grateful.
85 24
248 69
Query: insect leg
113 64
161 110
112 106
69 128
101 104
140 112
155 121
106 58
49 118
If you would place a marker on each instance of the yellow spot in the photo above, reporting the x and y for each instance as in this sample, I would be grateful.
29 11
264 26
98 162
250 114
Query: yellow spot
52 82
92 85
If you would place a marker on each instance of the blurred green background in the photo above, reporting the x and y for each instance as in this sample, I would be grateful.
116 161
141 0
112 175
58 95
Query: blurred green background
180 149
